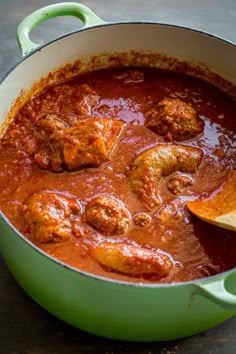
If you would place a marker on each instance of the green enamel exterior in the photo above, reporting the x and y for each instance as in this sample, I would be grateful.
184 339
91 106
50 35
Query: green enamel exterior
61 9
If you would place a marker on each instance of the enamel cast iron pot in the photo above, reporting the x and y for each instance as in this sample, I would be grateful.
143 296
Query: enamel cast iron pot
115 309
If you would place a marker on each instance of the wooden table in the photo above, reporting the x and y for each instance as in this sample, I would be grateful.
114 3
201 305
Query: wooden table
25 328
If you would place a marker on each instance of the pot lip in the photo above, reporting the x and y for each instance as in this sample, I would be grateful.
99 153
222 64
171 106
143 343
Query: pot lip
110 281
109 24
68 267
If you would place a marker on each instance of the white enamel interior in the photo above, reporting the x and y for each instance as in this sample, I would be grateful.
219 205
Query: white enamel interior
180 43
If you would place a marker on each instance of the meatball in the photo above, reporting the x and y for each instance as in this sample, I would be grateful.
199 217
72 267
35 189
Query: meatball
175 119
107 215
88 142
151 165
50 216
132 260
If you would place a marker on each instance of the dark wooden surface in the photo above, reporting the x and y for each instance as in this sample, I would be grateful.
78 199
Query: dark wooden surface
25 328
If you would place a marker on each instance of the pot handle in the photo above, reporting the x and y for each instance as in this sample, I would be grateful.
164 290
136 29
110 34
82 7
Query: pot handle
220 291
61 9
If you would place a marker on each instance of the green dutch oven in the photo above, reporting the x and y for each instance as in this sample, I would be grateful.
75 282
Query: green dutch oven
114 309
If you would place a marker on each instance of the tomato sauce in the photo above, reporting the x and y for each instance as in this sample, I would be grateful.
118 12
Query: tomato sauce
196 248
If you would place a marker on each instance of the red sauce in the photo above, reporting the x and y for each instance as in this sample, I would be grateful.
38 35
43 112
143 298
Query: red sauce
196 248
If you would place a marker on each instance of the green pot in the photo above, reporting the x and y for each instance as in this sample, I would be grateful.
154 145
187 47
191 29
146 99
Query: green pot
115 309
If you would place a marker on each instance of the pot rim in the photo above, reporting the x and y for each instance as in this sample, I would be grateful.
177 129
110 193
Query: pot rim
108 24
63 264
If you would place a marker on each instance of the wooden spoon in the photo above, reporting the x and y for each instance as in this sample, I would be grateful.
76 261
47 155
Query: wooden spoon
220 207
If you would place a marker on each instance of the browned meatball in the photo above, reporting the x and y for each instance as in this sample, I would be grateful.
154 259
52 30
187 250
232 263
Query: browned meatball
50 216
175 119
130 259
107 215
88 142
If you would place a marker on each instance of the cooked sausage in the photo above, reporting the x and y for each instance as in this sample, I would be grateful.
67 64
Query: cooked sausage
50 216
130 259
162 160
88 142
107 215
175 119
